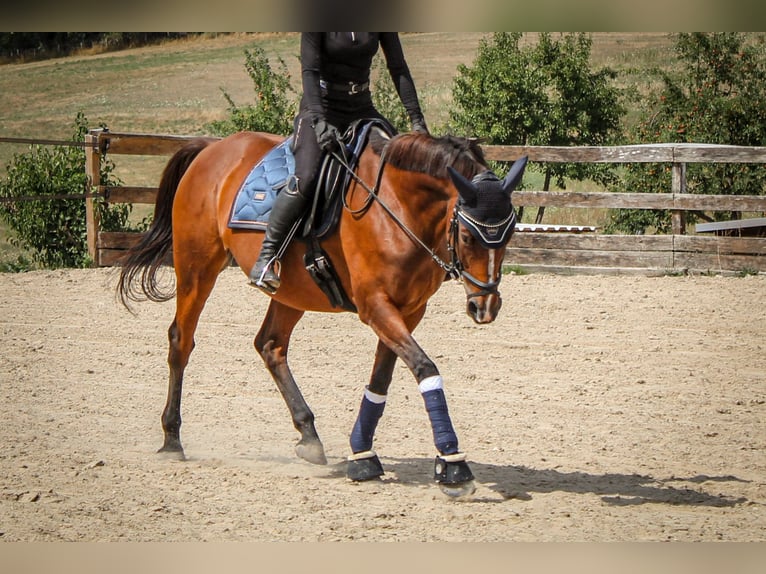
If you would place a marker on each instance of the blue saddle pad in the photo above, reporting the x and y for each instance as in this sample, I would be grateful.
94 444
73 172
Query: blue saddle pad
252 205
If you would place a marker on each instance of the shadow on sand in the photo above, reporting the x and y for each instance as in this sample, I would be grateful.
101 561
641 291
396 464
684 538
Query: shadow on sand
520 483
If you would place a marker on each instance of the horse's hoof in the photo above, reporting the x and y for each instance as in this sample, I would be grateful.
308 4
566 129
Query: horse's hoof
453 475
172 453
312 452
458 490
364 466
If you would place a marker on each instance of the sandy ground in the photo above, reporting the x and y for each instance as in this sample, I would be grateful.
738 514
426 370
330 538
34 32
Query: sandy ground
593 409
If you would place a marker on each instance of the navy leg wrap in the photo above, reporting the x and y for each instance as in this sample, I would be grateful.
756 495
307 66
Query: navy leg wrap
366 423
445 438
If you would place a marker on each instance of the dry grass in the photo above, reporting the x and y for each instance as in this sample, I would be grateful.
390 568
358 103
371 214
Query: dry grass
176 87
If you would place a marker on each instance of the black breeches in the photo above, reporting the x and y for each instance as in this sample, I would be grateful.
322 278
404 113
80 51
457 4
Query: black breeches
306 150
307 155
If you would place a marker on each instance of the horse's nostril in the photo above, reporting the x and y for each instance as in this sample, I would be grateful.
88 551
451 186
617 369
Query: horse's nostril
473 309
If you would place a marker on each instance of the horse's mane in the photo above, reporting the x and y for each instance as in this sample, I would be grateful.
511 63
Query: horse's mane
431 155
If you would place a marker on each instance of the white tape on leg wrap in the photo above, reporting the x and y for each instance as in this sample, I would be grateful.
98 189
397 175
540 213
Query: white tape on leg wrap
374 397
457 457
362 455
431 384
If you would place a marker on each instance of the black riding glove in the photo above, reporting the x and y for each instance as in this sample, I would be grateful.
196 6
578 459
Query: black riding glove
328 136
419 125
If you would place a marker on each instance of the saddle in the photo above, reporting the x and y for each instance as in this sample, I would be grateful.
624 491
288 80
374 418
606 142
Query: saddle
253 202
334 179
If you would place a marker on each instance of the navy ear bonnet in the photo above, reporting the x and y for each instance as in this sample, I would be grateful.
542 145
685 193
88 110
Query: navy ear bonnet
484 205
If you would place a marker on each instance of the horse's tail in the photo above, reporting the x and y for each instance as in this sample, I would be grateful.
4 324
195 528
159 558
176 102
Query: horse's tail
138 276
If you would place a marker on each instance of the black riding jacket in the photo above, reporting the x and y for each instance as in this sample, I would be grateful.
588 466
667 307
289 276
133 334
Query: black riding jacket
338 59
341 62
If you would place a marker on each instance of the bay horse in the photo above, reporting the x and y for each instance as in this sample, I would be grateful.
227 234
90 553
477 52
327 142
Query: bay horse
435 212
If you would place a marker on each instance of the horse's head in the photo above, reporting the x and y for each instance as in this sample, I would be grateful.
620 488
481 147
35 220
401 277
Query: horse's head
484 222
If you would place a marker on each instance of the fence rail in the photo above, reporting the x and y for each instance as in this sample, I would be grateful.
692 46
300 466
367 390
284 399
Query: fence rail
560 252
642 153
669 201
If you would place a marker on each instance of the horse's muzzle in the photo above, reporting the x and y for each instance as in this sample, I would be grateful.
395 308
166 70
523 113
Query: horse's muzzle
485 308
483 304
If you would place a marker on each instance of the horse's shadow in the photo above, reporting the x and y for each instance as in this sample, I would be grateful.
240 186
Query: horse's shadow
520 482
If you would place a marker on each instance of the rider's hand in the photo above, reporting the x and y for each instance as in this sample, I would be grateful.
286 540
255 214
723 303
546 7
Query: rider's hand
328 136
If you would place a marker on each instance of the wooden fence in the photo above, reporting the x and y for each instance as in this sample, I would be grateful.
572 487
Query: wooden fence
557 252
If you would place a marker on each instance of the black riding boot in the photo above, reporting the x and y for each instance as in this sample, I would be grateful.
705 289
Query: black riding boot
288 207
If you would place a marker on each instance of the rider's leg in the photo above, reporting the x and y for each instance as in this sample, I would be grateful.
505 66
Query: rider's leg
289 205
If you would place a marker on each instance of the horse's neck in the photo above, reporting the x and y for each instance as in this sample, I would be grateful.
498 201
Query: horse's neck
421 204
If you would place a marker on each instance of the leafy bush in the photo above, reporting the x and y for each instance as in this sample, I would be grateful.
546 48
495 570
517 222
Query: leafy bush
273 111
54 230
717 95
20 265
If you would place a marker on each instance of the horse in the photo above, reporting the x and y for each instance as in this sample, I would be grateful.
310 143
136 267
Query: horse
435 212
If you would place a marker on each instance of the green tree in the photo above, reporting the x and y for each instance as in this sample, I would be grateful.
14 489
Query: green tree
715 94
540 94
54 230
273 110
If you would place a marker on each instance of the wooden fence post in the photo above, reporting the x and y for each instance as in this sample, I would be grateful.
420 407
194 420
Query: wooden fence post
93 173
678 185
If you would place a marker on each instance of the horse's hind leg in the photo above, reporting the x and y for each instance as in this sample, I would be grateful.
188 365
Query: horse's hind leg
272 343
192 291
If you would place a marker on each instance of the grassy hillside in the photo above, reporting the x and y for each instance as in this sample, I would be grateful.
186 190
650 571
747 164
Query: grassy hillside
176 87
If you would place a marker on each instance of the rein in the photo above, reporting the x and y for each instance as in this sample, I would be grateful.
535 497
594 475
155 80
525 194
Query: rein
454 269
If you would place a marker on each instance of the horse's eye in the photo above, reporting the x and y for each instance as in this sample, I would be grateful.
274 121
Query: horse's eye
466 238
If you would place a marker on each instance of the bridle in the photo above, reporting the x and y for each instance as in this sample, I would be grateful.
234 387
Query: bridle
454 269
484 287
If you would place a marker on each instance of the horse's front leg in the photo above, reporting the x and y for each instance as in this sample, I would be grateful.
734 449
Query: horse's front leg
451 470
272 343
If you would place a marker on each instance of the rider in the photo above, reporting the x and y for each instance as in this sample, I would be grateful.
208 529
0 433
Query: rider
335 72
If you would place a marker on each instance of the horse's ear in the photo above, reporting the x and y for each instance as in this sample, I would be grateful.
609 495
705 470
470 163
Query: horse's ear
465 188
514 174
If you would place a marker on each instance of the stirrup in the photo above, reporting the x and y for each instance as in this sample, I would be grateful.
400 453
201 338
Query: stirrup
268 280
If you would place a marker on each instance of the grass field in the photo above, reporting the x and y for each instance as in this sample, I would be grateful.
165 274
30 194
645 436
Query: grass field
176 87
